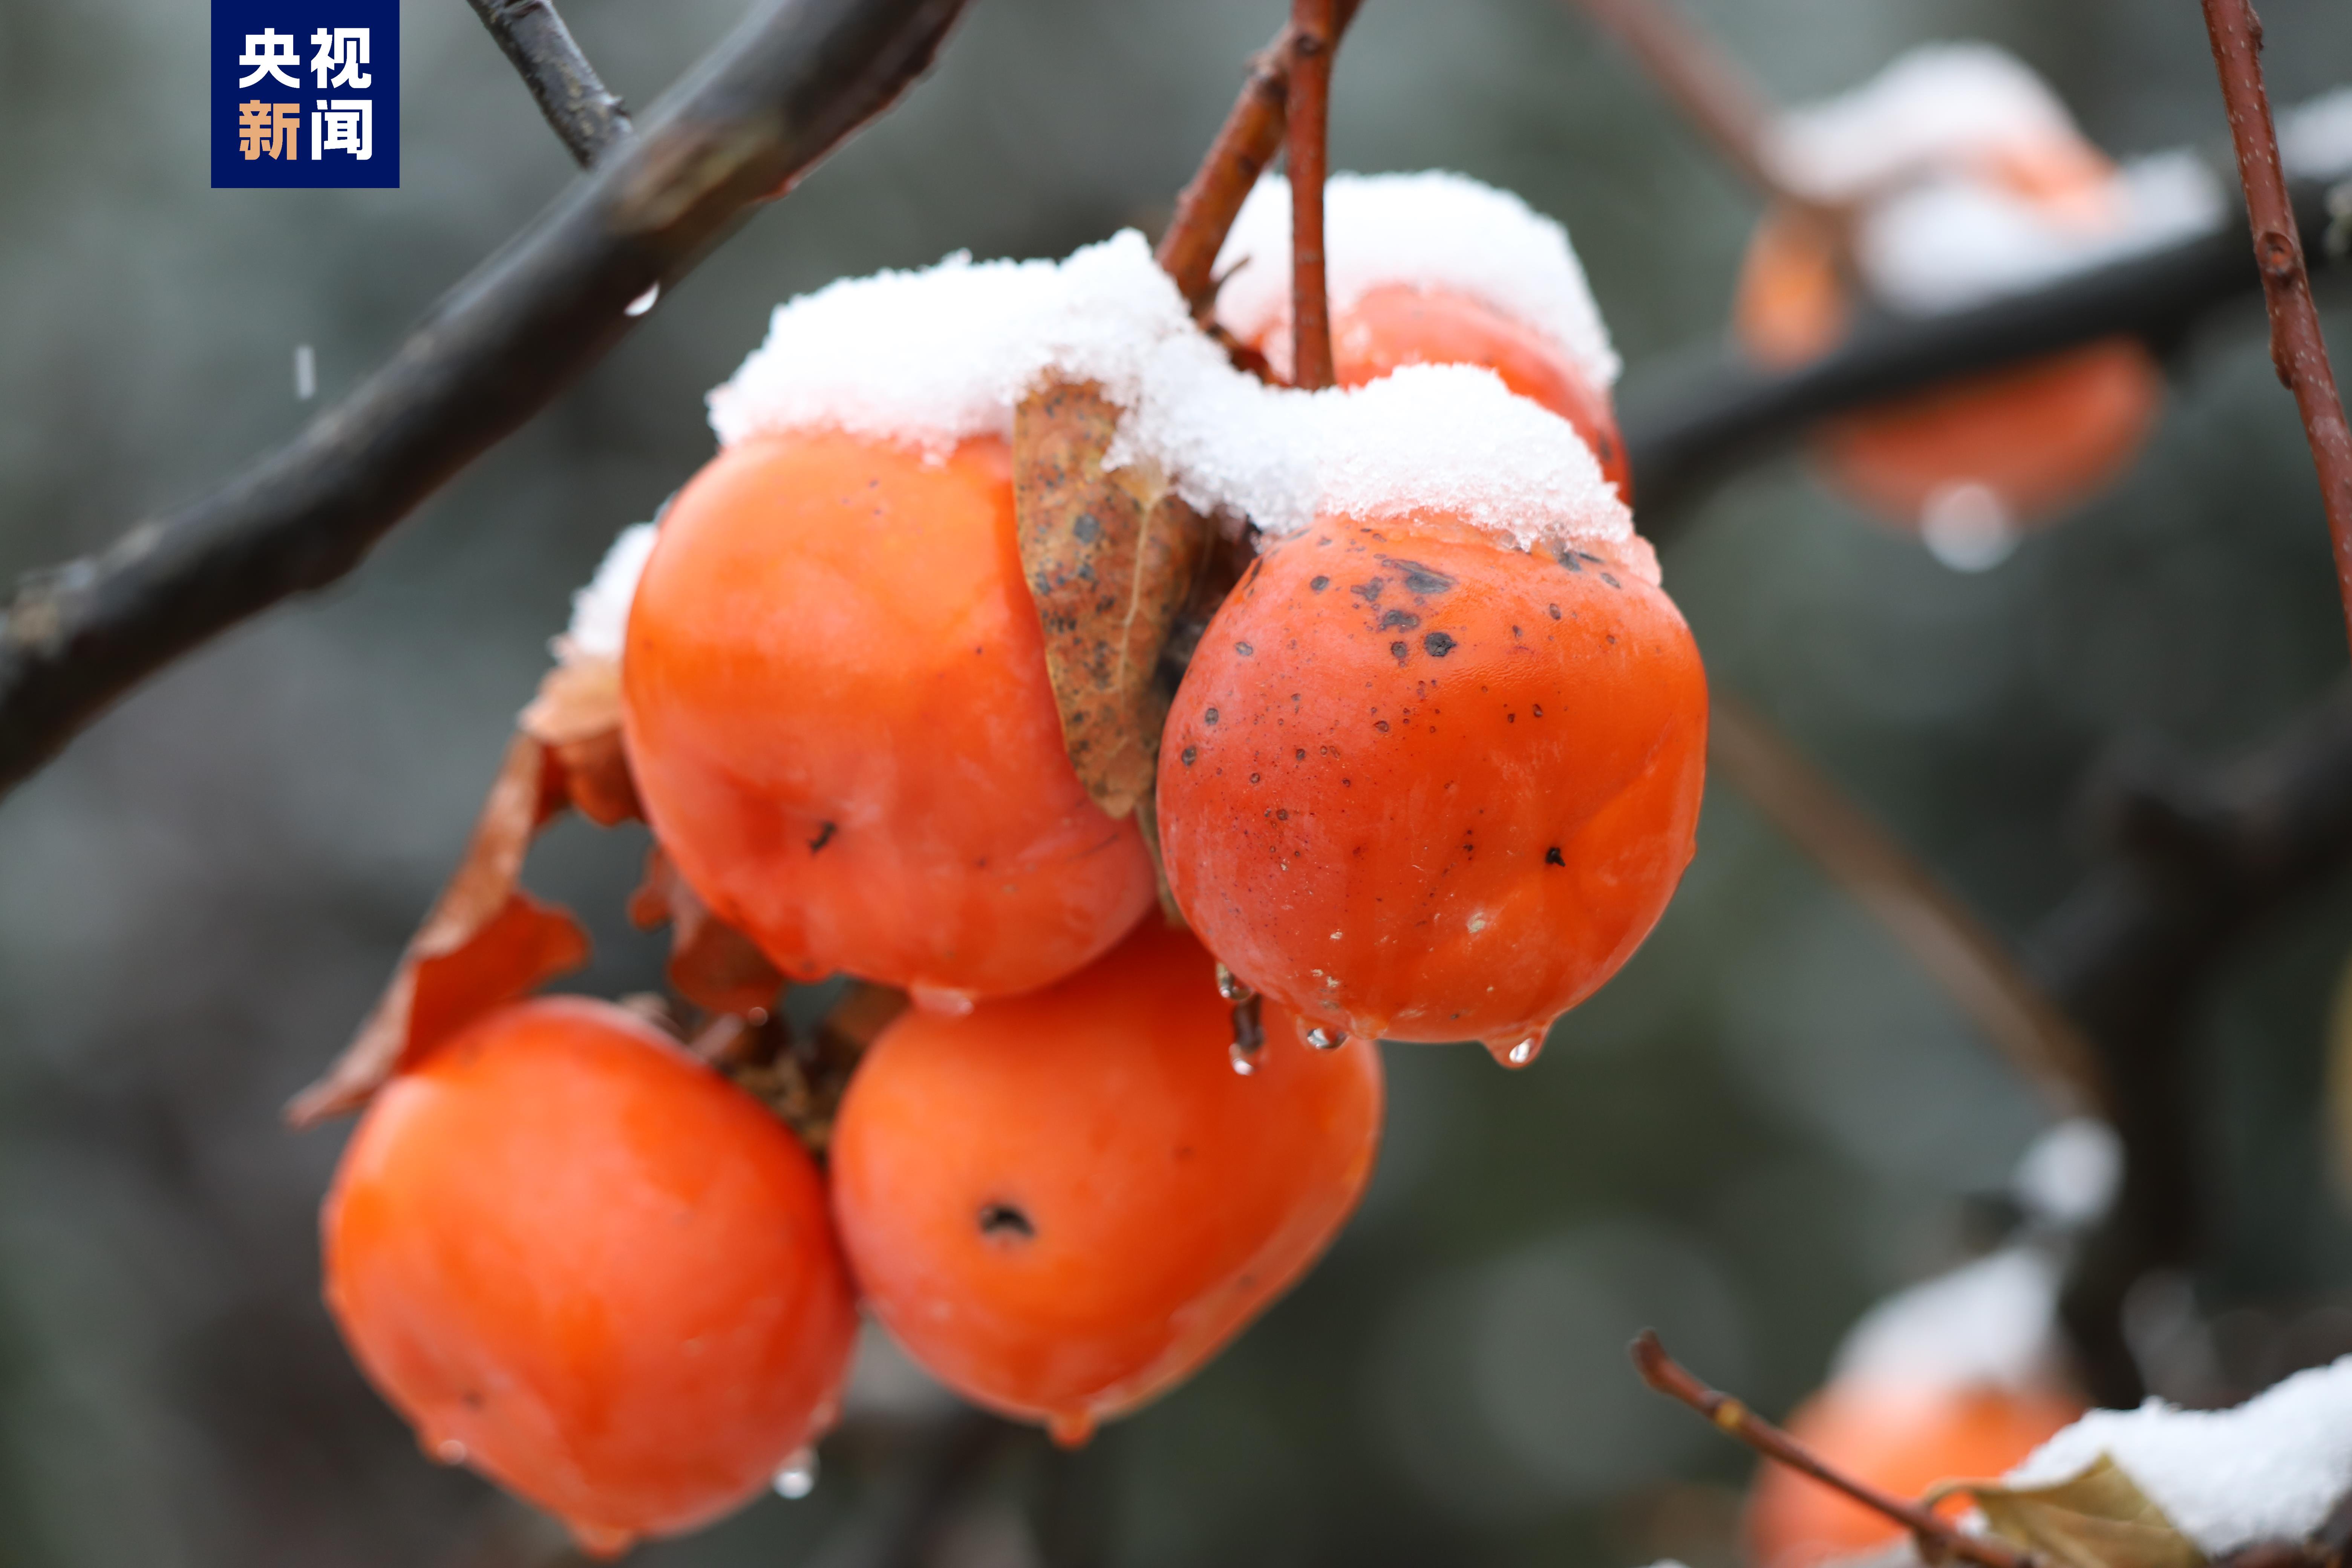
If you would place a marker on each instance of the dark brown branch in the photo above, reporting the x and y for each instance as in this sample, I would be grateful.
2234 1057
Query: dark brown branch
1310 112
584 114
2297 350
1245 144
2194 860
794 80
1971 964
1735 412
1939 1539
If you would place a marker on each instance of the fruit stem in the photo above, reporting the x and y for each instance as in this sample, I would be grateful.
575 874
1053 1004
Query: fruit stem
1309 156
1939 1540
2297 350
1247 141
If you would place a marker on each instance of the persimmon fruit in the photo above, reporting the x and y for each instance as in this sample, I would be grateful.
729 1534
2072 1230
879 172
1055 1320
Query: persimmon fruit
579 1260
1418 784
1063 1202
838 713
2041 437
1902 1438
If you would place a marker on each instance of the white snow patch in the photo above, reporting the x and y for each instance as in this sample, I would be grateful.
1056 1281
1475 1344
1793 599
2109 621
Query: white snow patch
2268 1470
1991 1322
600 611
1939 103
1433 230
2316 136
2069 1175
935 357
1953 241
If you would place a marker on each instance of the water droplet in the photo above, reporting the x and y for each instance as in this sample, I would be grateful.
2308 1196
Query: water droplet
449 1451
1232 987
1967 526
940 999
1324 1039
1070 1429
798 1478
601 1541
1249 1036
643 303
1516 1053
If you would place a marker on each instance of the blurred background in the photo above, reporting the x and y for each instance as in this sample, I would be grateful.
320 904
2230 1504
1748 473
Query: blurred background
1768 1121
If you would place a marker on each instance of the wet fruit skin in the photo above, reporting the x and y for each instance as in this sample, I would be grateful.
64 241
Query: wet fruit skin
838 714
1902 1440
1421 785
1064 1203
2043 436
579 1261
1401 323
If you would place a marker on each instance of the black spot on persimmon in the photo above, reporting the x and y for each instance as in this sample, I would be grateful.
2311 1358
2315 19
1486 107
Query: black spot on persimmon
1438 644
1245 650
1369 590
1401 649
1419 579
1301 754
1396 618
1006 1220
1555 611
1087 527
1613 582
1189 754
1320 583
1209 717
1552 857
824 837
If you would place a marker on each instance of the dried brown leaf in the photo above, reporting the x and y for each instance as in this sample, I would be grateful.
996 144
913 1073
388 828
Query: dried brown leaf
711 963
483 942
2098 1520
801 1079
1111 557
577 717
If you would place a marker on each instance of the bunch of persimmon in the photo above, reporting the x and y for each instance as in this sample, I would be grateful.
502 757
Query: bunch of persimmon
1432 775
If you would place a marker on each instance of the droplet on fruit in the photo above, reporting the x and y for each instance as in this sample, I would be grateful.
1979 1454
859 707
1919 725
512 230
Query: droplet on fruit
447 1451
1967 526
601 1541
1516 1053
1249 1036
643 303
1071 1428
940 999
1232 987
798 1478
1324 1039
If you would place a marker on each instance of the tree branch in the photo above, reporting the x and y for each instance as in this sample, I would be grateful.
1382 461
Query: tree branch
585 116
1735 412
794 80
2195 860
1309 157
2297 350
1973 966
1245 144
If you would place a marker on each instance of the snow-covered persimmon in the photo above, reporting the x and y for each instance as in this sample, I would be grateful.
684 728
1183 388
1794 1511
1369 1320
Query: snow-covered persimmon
841 729
1433 268
1435 768
577 1259
1954 142
1062 1203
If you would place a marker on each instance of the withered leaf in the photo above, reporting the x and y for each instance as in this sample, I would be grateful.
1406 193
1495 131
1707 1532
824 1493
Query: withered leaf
1111 557
802 1077
711 963
2098 1520
577 717
485 942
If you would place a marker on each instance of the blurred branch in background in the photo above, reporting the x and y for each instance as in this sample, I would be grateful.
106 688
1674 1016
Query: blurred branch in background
1971 964
2297 350
1683 438
774 97
581 110
2194 861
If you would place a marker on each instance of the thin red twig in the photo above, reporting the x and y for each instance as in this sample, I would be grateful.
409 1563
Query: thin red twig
2297 350
1314 28
1245 144
1938 1538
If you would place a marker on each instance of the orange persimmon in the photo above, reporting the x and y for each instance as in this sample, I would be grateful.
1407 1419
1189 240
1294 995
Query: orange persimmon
1062 1203
579 1260
1901 1438
843 730
1419 784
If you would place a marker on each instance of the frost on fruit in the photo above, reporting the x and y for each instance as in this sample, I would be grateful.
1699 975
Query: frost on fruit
1430 229
1920 150
1110 557
485 943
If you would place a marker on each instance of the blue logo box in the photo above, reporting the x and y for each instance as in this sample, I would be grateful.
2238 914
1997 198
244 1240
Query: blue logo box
306 93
